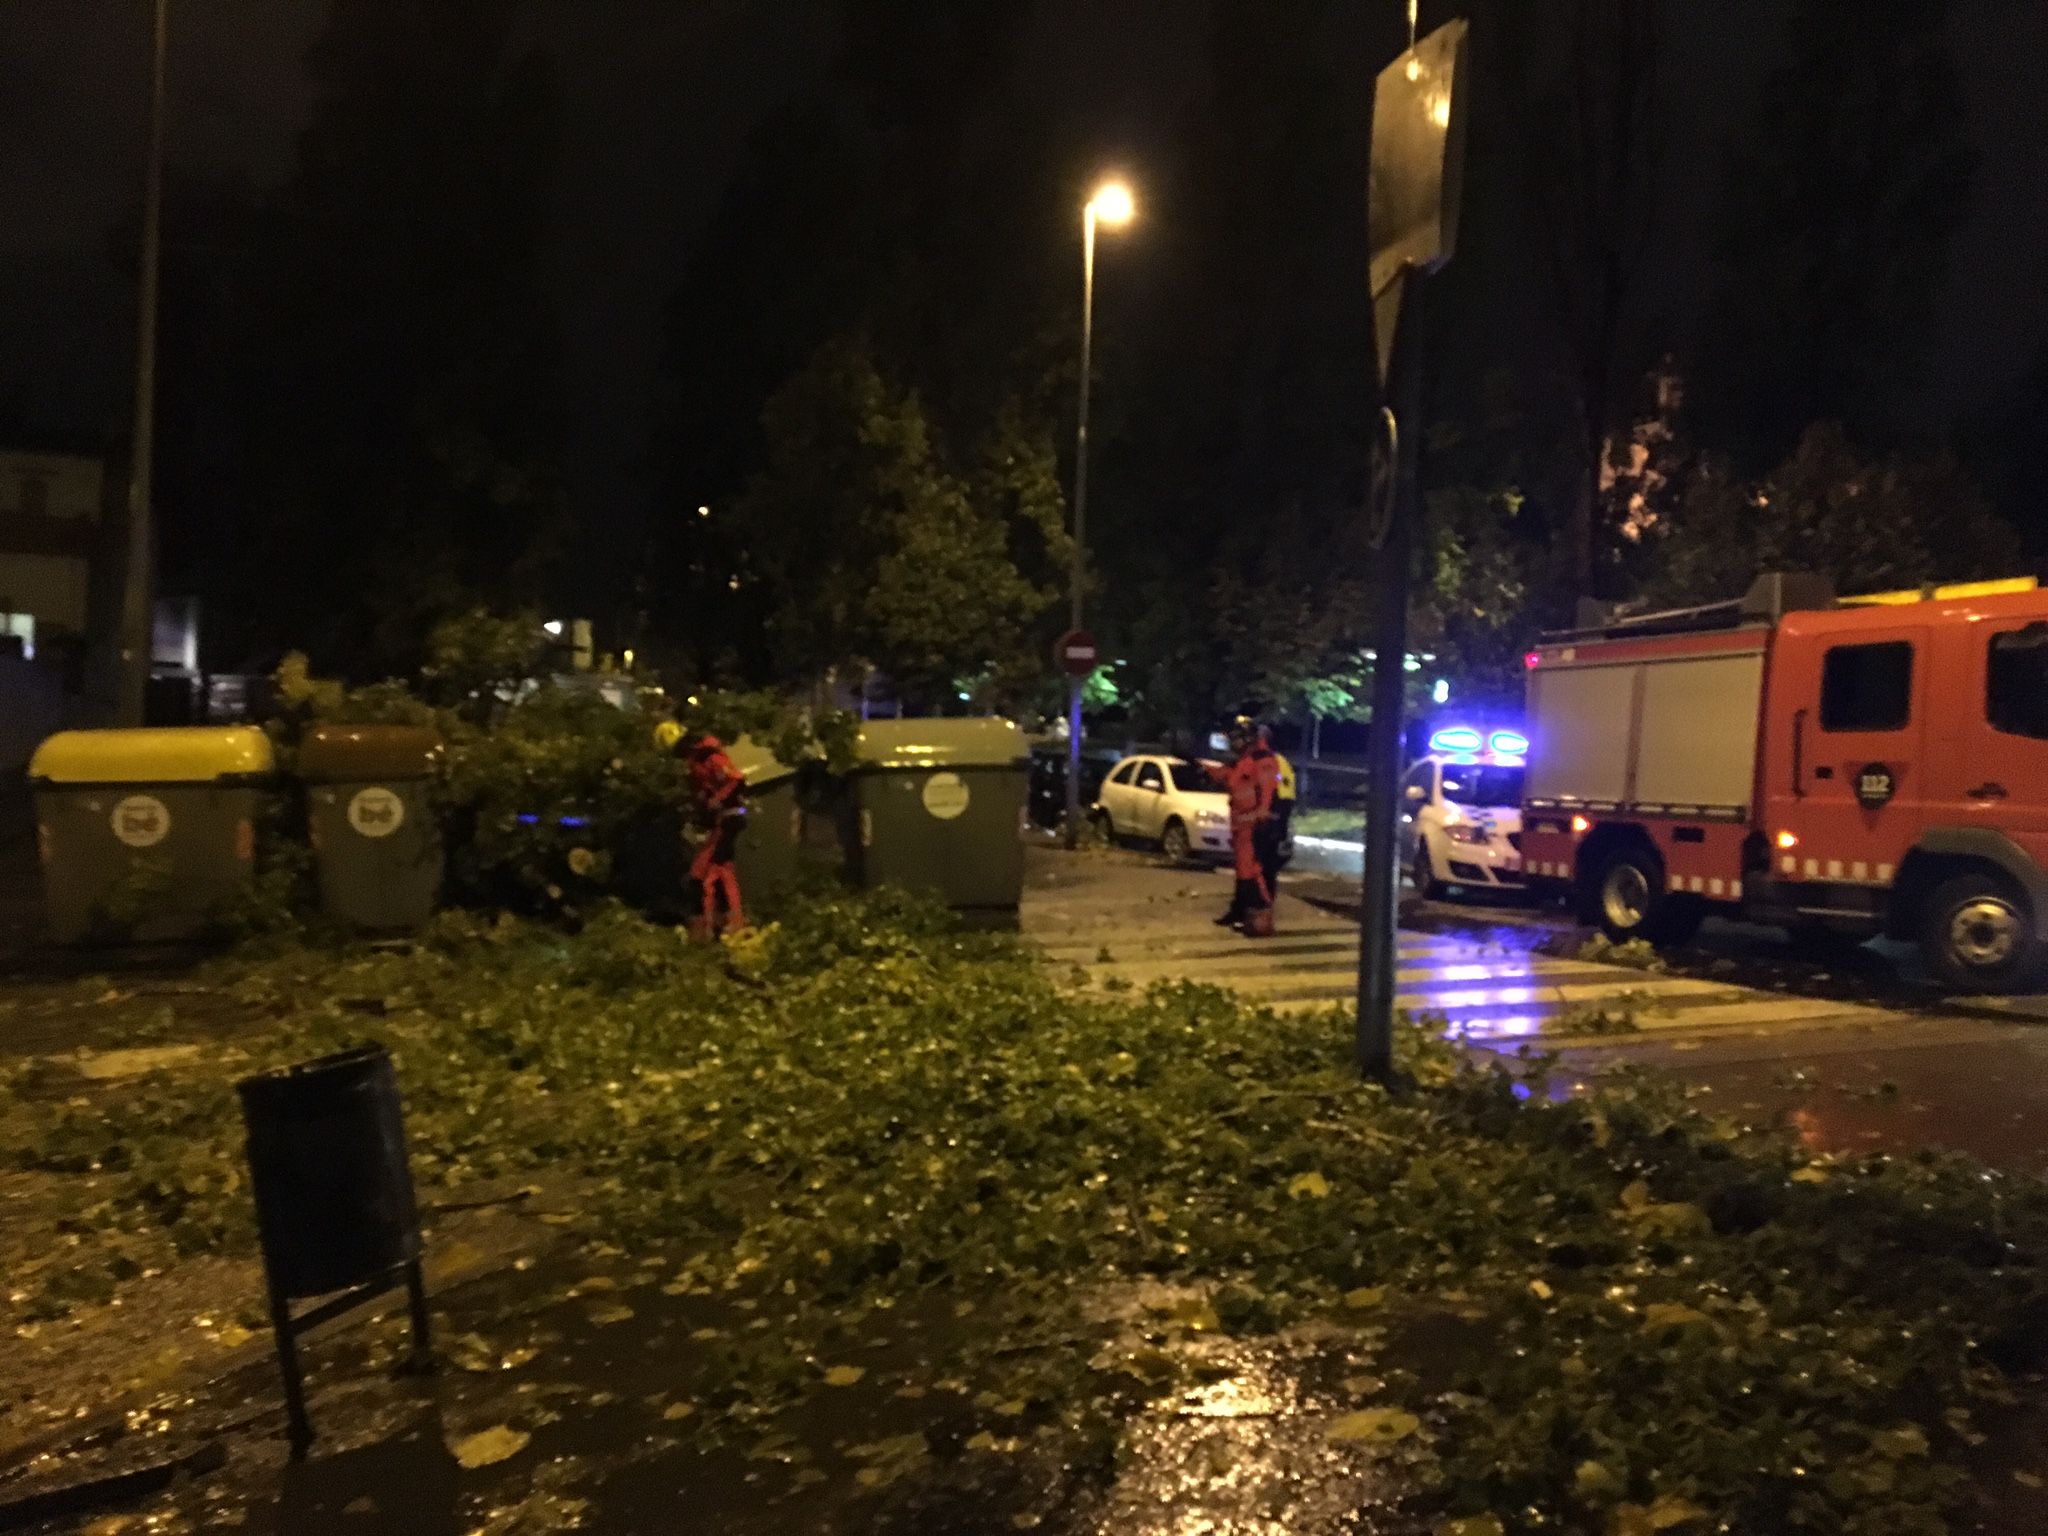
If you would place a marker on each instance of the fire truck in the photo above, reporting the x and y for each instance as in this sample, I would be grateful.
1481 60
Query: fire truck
1837 766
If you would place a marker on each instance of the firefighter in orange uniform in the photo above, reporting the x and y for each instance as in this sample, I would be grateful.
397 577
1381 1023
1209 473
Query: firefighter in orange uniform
718 801
1251 781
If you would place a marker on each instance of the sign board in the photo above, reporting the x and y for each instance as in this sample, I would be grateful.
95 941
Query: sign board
141 821
945 796
1875 786
1075 653
1418 147
375 811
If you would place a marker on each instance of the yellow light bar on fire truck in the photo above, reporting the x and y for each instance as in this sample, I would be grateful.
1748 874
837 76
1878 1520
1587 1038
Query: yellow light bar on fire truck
1954 590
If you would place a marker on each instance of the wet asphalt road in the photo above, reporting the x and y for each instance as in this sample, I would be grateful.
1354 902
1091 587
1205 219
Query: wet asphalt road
1880 1061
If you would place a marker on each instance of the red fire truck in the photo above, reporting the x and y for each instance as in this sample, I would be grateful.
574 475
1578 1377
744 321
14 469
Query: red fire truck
1852 766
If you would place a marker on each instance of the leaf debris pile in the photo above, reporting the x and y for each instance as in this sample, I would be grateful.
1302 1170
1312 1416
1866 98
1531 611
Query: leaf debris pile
1687 1323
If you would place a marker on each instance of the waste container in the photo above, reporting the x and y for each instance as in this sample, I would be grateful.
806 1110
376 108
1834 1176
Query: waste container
146 834
770 850
939 806
376 842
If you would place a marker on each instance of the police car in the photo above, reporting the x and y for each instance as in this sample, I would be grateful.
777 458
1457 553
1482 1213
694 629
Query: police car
1461 812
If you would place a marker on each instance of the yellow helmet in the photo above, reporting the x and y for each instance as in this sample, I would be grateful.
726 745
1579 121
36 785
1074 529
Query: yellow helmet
666 735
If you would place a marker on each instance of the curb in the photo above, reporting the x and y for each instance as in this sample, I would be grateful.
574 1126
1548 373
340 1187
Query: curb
122 1487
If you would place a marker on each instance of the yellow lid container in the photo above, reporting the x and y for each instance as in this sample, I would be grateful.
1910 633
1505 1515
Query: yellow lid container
184 754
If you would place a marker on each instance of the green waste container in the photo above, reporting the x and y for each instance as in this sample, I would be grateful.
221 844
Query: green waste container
938 805
770 850
376 842
146 834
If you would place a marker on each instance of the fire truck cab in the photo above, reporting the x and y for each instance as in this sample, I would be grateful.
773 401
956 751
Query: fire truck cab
1853 766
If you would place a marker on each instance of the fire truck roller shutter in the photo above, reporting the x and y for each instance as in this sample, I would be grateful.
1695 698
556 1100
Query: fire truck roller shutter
1580 726
1698 733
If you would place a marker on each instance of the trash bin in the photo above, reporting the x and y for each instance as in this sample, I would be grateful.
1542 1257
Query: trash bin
327 1162
146 834
376 842
334 1201
939 806
770 850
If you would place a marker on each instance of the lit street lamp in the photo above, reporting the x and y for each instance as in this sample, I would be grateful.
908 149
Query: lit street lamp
1111 205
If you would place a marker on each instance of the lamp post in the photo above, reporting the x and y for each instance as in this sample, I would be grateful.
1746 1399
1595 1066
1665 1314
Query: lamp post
137 638
1111 205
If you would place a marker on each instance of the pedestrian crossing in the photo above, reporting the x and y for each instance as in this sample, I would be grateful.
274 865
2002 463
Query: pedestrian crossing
1486 992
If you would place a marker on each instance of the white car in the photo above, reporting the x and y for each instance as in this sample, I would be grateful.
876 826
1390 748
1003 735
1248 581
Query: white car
1168 801
1461 823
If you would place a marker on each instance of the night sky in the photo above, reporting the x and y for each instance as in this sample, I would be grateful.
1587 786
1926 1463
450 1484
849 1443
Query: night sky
659 98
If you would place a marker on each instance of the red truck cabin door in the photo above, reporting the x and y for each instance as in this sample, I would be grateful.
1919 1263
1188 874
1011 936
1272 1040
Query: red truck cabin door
1845 774
1989 758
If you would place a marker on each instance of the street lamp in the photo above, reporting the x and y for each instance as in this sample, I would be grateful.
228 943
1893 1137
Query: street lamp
1111 204
135 635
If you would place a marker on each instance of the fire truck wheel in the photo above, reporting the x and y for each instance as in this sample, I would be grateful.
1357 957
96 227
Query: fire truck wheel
1977 935
1631 902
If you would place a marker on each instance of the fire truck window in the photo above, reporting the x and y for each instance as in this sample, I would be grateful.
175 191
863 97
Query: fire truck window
2016 682
1867 687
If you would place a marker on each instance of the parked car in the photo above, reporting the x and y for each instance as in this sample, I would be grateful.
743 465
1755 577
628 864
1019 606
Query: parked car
1170 803
1048 788
1461 823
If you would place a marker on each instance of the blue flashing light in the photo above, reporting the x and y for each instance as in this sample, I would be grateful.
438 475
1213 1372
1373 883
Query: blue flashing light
1513 743
1455 738
1507 761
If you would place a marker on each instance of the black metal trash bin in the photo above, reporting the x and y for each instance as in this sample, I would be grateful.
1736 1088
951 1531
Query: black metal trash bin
334 1197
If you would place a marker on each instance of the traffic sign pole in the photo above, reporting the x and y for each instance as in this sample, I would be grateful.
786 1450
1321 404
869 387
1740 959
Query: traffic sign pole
1074 653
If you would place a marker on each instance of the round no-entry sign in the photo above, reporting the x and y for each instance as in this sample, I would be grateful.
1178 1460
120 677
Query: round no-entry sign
1075 653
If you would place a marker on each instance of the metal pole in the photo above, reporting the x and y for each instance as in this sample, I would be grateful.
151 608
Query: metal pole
1378 939
138 586
1080 567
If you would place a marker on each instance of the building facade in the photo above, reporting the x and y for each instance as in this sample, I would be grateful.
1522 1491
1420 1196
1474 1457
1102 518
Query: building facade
51 511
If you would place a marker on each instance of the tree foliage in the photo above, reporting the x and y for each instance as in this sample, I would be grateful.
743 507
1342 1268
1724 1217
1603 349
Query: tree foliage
1835 230
874 551
371 442
1868 521
1595 122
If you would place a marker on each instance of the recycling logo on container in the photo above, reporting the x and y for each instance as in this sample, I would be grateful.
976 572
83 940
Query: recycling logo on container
945 796
141 821
376 812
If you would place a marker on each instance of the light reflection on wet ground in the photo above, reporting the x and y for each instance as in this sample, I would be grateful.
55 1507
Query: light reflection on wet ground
1249 1453
605 1426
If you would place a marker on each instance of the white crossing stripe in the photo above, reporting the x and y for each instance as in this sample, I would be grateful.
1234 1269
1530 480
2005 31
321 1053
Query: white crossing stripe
1481 991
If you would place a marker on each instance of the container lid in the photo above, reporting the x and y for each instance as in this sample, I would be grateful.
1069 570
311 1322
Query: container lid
335 754
982 742
757 765
183 754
